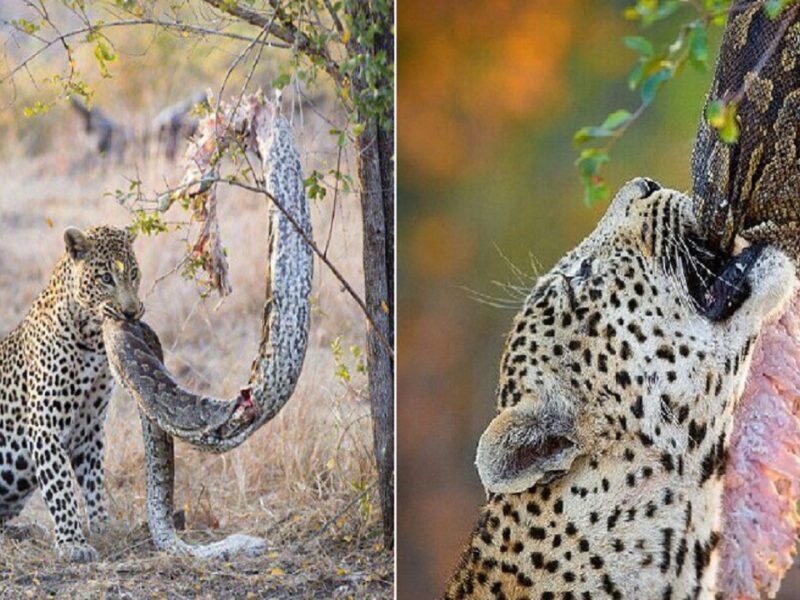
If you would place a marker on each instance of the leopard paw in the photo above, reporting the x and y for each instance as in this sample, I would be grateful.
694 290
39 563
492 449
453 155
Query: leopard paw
98 524
77 552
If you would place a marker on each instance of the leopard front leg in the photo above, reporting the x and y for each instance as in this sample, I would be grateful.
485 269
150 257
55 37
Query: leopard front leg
88 451
54 468
87 461
53 472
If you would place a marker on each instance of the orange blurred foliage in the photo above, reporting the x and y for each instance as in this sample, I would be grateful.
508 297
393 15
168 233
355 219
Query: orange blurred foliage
470 69
439 247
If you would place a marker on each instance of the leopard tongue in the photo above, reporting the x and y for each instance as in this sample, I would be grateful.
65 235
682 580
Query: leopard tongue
762 482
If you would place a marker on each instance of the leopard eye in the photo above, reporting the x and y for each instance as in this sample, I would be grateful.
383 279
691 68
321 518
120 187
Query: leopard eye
107 278
134 274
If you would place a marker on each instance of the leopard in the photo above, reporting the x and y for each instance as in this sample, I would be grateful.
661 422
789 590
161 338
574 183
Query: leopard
56 386
604 464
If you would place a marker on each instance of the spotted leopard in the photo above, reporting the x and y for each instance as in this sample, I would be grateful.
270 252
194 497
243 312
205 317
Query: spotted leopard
604 464
56 385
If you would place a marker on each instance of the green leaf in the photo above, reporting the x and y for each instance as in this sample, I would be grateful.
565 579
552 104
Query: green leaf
313 185
730 131
774 8
650 11
607 129
651 85
722 117
635 77
38 108
594 186
666 9
616 118
715 114
26 26
596 191
587 134
148 223
631 14
103 52
590 160
640 45
281 81
698 47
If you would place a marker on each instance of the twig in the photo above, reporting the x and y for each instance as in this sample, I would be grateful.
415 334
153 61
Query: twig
265 32
61 39
119 553
285 31
335 17
349 505
335 197
318 252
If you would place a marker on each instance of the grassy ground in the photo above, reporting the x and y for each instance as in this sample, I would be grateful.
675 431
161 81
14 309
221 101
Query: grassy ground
304 481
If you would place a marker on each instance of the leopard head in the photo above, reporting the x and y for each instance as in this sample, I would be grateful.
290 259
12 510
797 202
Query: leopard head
636 334
105 275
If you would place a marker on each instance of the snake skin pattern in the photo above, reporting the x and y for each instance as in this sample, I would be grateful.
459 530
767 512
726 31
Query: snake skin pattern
751 187
167 409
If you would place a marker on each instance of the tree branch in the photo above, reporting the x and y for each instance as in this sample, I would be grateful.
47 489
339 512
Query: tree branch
336 273
209 181
285 31
334 17
61 39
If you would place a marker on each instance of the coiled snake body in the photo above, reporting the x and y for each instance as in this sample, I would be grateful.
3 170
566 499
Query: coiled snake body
167 409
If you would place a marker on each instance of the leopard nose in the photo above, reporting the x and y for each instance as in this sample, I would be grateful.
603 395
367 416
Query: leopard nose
648 186
135 312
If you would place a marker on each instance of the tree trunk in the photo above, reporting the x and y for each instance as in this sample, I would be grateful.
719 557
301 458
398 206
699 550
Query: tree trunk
375 150
385 41
380 365
386 154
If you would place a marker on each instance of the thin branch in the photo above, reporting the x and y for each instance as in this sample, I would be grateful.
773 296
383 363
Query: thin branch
229 73
209 181
335 198
285 31
335 17
620 131
311 244
61 39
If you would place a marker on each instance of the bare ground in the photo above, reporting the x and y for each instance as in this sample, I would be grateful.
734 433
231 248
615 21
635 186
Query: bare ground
304 481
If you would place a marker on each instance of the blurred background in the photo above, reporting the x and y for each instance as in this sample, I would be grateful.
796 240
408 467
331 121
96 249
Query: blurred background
489 95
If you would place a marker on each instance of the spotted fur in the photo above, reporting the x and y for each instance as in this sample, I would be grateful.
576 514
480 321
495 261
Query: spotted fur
56 385
604 464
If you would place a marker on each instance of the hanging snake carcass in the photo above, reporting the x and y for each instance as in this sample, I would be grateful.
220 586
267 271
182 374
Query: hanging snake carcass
169 410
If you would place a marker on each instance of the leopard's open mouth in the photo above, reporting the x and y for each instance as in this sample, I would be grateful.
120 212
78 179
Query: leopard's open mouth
717 281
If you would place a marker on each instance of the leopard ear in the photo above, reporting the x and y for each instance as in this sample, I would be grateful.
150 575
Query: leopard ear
130 235
77 243
524 445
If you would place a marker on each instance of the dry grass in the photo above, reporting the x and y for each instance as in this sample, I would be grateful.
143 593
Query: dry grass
298 481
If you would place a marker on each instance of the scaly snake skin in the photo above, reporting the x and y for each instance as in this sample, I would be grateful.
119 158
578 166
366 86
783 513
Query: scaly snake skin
751 187
167 409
